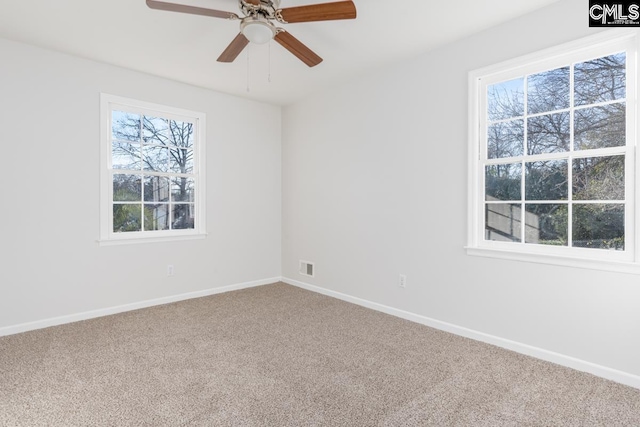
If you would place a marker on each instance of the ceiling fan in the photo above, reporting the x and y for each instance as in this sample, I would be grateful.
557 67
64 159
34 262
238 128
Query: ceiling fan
256 25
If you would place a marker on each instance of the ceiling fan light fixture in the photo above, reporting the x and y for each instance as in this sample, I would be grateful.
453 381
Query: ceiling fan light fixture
257 30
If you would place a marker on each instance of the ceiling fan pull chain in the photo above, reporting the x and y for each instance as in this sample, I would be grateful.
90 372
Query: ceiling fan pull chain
269 73
248 90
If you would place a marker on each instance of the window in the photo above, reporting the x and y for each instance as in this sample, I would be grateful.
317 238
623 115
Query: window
552 155
152 179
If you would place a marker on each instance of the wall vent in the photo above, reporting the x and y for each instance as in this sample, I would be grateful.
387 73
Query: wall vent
306 268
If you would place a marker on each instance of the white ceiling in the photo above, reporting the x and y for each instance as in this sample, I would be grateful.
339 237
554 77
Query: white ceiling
185 47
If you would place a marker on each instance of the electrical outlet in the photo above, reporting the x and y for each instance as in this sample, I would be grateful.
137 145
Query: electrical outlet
402 281
170 270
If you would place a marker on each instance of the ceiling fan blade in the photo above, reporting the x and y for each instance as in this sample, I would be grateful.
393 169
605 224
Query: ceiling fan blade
254 2
174 7
233 50
296 47
318 12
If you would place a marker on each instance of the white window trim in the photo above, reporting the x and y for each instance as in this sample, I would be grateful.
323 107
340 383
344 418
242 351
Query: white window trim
627 261
107 236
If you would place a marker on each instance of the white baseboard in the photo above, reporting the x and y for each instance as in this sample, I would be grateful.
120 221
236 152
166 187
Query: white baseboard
54 321
550 356
539 353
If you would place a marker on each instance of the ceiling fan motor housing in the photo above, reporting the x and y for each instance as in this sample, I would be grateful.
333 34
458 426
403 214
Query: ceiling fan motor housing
264 8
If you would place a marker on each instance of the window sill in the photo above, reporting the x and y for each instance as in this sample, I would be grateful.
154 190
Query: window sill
135 240
591 264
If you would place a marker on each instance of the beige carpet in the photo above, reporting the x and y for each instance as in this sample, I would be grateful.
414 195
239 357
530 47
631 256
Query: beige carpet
277 355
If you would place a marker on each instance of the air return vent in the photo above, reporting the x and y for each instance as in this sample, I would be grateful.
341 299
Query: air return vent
306 268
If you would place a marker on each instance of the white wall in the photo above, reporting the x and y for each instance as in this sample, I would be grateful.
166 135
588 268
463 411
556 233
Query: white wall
51 264
374 185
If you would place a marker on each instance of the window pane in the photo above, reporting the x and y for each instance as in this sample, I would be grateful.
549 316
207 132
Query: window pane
181 160
156 158
546 224
546 180
125 126
125 155
156 189
599 226
600 80
183 189
503 182
506 99
183 216
598 178
126 217
548 91
127 188
505 139
156 217
548 134
156 130
503 222
600 127
181 133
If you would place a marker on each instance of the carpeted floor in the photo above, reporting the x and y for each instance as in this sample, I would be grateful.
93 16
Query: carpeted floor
277 355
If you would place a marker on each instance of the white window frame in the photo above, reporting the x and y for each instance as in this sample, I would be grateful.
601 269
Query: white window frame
601 44
109 103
